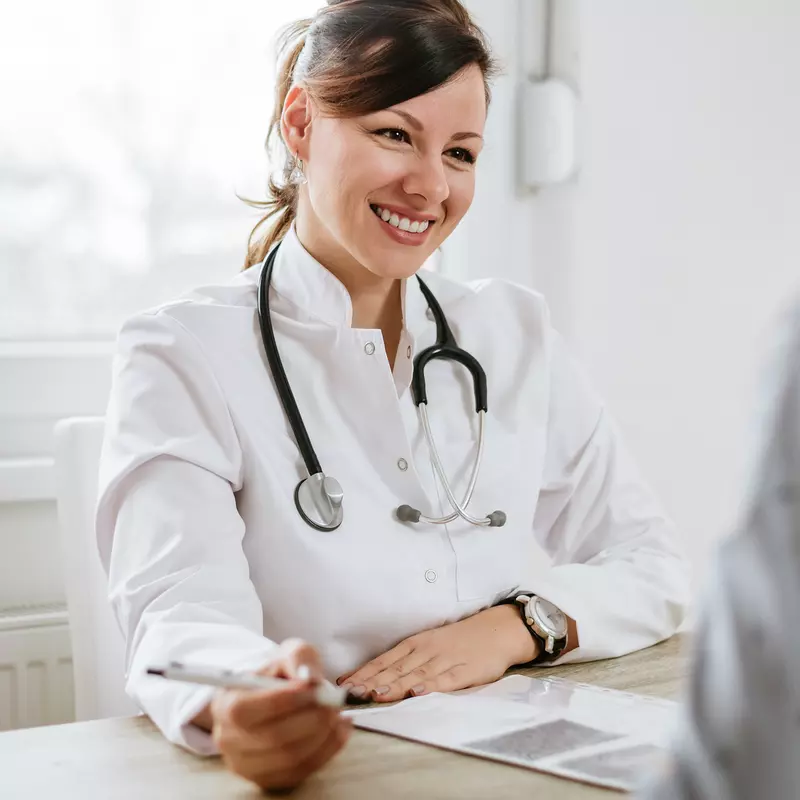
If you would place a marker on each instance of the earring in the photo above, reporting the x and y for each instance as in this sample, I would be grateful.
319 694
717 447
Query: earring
297 175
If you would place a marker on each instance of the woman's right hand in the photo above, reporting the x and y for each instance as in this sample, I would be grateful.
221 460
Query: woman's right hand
278 737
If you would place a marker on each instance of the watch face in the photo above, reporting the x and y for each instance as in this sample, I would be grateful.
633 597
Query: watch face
551 618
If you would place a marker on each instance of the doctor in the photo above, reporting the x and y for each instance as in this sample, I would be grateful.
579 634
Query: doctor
218 555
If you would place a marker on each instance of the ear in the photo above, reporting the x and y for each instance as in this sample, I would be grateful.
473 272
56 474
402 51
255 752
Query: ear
296 121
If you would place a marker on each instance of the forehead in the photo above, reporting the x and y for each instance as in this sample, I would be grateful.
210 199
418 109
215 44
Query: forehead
460 104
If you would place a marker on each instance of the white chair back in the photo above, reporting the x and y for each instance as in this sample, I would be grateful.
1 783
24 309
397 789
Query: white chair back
98 650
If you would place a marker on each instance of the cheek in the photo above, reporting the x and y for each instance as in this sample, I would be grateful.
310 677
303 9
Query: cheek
462 192
348 174
325 184
367 174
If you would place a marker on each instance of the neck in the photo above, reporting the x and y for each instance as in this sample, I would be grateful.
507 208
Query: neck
375 306
375 300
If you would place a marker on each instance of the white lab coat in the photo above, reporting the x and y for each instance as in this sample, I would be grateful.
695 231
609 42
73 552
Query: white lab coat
208 559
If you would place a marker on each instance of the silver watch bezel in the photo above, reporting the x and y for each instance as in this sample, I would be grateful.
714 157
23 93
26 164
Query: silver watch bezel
533 619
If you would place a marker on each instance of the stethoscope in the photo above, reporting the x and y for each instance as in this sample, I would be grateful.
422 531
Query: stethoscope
319 496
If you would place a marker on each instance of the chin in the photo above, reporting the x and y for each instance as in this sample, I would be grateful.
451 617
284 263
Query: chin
395 268
394 261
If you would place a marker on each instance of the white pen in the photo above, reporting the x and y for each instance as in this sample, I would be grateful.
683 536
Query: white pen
327 694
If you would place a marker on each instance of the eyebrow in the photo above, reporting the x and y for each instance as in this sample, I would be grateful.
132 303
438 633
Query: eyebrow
417 125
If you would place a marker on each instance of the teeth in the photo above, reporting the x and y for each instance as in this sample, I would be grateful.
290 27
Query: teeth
402 223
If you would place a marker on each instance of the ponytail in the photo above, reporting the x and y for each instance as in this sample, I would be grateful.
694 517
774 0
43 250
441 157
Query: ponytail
282 200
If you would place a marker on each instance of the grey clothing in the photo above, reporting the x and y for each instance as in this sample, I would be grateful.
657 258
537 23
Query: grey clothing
739 736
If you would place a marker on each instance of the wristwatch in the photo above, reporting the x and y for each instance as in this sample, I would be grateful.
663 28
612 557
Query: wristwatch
547 624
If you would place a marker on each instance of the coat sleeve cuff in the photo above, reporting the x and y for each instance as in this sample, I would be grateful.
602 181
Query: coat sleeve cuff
600 600
184 733
172 705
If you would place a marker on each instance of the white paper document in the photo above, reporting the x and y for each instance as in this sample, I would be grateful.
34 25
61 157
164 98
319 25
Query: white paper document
576 730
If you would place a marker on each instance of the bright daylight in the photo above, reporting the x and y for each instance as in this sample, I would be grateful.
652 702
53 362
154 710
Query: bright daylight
400 398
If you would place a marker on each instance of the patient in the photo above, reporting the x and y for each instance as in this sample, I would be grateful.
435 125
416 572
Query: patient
740 735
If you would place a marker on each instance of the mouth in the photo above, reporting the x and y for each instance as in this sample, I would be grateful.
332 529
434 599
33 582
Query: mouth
401 228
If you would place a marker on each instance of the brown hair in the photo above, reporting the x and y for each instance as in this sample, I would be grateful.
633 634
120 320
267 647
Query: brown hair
357 57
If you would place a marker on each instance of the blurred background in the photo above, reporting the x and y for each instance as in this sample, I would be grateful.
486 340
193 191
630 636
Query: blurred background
667 249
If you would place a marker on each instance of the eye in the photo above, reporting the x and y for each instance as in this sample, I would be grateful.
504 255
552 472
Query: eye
393 134
460 154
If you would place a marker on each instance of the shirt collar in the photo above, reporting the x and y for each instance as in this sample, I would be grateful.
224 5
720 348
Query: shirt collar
297 277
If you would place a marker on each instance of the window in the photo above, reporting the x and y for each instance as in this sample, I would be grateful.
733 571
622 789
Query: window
126 133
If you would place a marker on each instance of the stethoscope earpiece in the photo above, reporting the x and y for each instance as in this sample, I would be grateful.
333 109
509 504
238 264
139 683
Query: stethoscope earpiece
407 514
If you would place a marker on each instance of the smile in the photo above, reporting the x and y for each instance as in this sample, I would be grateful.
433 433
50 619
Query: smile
401 223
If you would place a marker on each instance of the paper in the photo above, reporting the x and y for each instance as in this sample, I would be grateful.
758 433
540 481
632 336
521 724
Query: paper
575 730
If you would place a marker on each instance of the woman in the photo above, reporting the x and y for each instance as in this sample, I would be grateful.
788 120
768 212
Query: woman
381 108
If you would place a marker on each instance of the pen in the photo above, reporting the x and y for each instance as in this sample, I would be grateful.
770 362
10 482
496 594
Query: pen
327 694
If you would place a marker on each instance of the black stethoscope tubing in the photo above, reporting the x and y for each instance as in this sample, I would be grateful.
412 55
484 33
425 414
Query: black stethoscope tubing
445 348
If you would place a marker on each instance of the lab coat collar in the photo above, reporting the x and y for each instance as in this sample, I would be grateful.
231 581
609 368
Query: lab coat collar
299 278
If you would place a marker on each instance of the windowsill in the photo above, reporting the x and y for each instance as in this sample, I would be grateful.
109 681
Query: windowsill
27 480
11 349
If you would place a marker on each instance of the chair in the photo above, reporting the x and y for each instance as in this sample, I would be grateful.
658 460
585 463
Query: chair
98 649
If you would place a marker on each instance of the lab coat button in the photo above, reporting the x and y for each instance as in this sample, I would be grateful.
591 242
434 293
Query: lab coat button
369 348
402 464
430 576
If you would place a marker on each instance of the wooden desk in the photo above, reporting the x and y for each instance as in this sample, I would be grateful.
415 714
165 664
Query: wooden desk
128 759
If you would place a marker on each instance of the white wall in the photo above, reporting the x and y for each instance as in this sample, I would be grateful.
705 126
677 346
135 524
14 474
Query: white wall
476 249
524 236
686 230
39 384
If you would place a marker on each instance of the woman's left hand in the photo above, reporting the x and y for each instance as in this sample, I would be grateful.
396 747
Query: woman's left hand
471 652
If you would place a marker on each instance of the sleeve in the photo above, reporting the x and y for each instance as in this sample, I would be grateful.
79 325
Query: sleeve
739 735
616 565
168 530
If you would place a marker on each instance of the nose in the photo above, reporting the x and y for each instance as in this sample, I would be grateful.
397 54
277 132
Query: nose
428 179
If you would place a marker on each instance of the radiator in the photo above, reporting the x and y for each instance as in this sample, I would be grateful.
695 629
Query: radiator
35 667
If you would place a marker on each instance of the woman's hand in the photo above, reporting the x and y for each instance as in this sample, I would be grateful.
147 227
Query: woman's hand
277 738
471 652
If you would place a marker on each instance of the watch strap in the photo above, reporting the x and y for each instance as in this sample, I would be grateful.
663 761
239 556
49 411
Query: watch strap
544 656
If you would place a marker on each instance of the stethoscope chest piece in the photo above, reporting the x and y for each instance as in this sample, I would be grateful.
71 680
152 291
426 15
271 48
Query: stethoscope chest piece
318 498
319 501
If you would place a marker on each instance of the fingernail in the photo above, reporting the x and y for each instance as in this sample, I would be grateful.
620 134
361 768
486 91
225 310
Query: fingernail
418 689
381 690
304 672
356 691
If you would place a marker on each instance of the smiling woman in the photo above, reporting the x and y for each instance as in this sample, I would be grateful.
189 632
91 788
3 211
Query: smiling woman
375 88
220 541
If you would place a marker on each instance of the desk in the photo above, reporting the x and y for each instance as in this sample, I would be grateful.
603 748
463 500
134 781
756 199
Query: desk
128 759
